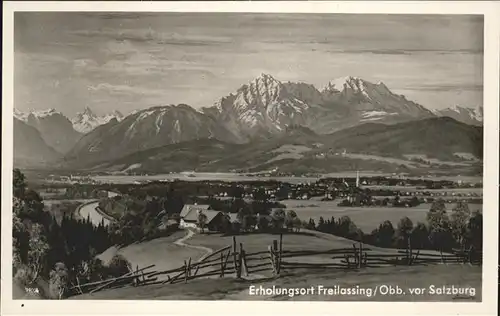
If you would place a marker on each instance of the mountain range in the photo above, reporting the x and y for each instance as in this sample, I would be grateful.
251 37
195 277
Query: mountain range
377 146
87 121
259 112
466 115
30 149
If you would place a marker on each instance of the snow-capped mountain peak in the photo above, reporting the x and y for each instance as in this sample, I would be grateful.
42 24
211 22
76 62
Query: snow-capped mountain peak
87 120
34 115
20 115
468 115
262 91
45 113
342 83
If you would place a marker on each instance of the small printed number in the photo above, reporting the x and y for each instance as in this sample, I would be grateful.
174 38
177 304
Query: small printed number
32 290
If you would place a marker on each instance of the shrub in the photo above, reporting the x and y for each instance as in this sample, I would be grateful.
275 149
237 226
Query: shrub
59 280
119 266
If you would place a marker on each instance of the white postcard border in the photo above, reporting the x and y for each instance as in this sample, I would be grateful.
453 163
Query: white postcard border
490 10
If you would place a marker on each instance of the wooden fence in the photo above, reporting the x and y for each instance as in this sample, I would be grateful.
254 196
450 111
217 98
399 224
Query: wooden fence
234 261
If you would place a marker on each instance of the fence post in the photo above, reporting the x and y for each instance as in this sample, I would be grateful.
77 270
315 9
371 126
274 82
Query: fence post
185 272
276 259
410 252
221 264
240 262
234 256
189 267
245 263
280 253
356 256
271 257
360 261
136 273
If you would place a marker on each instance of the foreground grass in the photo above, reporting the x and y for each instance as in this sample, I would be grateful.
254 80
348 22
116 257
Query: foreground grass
162 252
304 240
232 289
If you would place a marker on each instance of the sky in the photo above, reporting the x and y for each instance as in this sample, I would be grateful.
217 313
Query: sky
129 61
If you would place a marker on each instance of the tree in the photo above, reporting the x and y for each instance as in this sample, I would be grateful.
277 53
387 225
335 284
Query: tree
297 224
262 223
311 224
414 201
321 224
419 236
59 280
119 266
37 250
245 217
459 219
475 231
385 234
345 226
439 225
290 219
404 229
20 241
278 218
260 195
202 221
19 183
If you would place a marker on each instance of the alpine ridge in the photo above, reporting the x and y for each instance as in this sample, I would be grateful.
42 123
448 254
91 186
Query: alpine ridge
29 147
55 128
87 120
266 106
471 116
149 128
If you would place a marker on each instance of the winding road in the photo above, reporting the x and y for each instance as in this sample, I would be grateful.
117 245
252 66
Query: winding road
89 210
150 252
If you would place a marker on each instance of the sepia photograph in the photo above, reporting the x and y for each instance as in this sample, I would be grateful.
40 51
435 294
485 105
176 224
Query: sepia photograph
248 156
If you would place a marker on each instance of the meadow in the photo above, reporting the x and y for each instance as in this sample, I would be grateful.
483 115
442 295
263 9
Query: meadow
231 289
366 218
163 252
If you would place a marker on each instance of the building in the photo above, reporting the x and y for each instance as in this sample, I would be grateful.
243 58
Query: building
191 210
188 207
213 223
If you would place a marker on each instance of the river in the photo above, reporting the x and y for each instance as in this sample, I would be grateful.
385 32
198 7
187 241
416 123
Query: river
89 210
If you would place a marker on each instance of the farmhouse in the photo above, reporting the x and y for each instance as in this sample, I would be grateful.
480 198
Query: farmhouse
214 219
188 207
193 210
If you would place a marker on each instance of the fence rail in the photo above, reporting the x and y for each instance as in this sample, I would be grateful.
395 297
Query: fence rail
234 261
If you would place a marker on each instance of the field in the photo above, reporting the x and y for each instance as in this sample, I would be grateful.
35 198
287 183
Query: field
231 289
163 252
366 218
199 176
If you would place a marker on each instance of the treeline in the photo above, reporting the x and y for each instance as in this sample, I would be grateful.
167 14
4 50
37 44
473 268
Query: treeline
419 183
278 221
262 207
60 253
193 188
138 219
442 231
